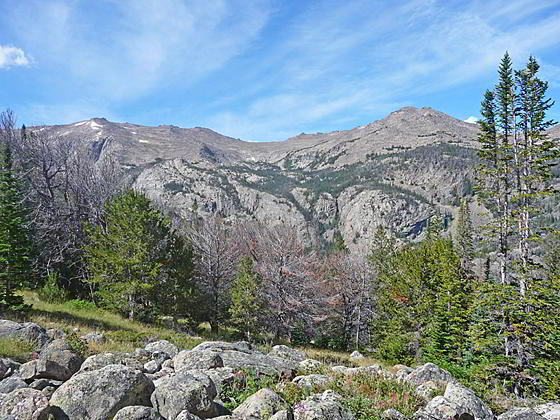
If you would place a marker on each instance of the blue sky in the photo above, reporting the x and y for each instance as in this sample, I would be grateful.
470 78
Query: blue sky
263 69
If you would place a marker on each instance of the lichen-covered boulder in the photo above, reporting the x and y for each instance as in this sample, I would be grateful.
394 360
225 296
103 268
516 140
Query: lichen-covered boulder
309 364
100 394
10 384
261 405
325 406
311 381
138 412
550 411
47 369
98 361
59 351
24 404
200 359
428 372
466 398
286 352
186 390
27 331
163 346
521 414
440 408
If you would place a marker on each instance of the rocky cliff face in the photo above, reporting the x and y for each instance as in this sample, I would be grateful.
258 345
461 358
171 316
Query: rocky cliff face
395 172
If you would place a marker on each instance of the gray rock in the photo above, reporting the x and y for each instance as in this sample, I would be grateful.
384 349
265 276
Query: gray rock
28 331
339 369
283 415
520 414
440 408
98 361
311 381
392 414
428 372
3 369
10 367
100 394
59 351
186 390
261 405
309 364
163 346
48 391
466 398
241 355
221 378
159 375
39 384
55 334
185 415
550 411
24 404
137 412
372 370
152 366
201 359
356 355
47 369
325 406
286 352
94 338
10 384
168 364
427 389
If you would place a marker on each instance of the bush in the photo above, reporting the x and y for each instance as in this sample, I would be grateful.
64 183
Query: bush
396 349
81 305
51 292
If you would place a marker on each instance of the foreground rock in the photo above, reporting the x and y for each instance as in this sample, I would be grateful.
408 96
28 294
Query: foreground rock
521 414
325 406
59 351
100 394
192 391
46 369
241 355
466 398
138 412
199 359
428 372
550 411
24 404
27 331
261 405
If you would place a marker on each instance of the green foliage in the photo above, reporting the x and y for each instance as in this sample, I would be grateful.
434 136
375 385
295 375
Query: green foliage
17 350
247 304
15 269
81 305
77 345
245 384
51 292
136 263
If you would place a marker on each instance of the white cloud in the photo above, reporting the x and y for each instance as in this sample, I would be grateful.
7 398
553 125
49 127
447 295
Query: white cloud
12 56
472 120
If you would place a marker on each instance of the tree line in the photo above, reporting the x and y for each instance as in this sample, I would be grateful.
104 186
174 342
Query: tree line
71 227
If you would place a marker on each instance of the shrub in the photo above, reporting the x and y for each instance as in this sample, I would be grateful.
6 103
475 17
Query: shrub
51 292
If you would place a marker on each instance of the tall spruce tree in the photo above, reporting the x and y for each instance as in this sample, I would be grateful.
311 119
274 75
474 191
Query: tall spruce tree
15 270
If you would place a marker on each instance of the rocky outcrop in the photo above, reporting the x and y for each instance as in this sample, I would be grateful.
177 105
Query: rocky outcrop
260 406
197 359
24 404
27 331
428 372
60 352
467 399
325 406
100 394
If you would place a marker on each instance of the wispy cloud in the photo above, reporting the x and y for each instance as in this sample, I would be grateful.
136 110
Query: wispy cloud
12 56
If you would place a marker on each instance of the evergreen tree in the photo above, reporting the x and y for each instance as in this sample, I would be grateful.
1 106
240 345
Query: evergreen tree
247 304
15 270
465 239
132 259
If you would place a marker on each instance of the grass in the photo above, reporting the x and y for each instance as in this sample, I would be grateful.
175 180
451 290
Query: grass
80 317
17 350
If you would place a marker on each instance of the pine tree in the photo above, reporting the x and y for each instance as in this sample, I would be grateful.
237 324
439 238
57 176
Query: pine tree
465 239
247 304
133 257
15 270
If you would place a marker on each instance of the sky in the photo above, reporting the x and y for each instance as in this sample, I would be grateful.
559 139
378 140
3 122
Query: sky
263 70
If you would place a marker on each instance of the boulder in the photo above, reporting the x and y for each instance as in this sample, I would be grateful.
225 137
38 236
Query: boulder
94 338
152 366
8 367
283 415
100 394
163 346
428 372
309 364
427 389
466 398
340 369
261 405
241 355
440 408
137 412
356 355
550 411
10 384
24 404
59 351
186 390
325 406
185 415
521 414
28 331
98 361
392 414
221 377
201 359
286 352
311 381
47 369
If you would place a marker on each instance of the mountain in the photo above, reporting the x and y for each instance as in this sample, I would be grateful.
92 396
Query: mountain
397 172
